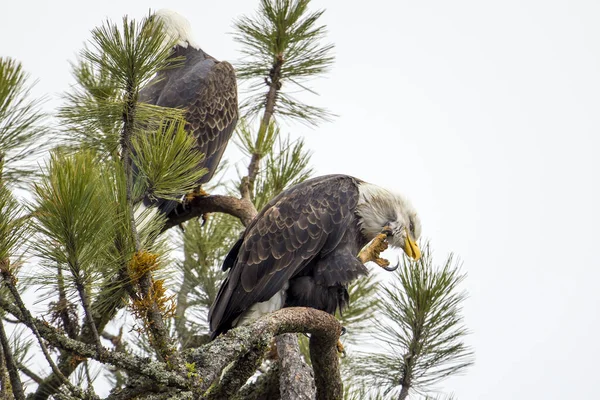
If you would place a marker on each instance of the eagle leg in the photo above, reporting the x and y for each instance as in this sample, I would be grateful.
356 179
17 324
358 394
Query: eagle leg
199 192
372 250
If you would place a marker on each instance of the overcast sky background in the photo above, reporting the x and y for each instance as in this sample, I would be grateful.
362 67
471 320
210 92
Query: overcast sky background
485 114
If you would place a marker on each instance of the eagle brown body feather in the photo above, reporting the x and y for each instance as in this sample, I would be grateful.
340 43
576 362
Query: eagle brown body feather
207 90
305 239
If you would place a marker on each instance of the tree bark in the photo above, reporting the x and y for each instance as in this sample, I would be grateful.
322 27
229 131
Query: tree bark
403 393
296 378
240 208
211 359
266 386
325 331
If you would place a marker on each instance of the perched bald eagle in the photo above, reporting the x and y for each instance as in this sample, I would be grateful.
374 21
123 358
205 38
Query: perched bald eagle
301 249
204 87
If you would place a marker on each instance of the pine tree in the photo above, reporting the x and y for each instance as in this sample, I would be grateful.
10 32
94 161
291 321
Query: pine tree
130 304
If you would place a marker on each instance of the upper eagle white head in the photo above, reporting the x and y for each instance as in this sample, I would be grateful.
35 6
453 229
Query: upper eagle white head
379 208
177 27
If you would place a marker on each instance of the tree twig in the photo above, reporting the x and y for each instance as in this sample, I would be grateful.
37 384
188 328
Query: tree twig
30 374
70 326
88 315
11 366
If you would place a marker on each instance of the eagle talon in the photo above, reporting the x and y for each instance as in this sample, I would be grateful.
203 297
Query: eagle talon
344 331
372 251
387 267
387 231
340 349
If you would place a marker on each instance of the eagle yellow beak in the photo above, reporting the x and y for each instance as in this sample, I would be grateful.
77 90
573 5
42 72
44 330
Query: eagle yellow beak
410 247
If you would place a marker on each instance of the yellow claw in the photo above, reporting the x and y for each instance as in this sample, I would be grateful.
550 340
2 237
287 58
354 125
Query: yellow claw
340 349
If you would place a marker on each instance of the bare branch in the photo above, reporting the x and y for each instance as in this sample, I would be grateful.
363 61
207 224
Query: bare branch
239 208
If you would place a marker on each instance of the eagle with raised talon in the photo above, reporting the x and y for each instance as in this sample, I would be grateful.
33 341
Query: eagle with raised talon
307 244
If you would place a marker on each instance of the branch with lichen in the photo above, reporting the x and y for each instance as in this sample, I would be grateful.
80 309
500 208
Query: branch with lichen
156 371
211 359
25 316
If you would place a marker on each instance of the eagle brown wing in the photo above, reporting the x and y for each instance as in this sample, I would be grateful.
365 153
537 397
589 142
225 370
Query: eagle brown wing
296 229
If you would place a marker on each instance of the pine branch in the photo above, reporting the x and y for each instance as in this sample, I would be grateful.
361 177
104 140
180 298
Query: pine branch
138 365
211 359
21 125
103 313
421 327
11 366
198 206
131 56
26 317
282 44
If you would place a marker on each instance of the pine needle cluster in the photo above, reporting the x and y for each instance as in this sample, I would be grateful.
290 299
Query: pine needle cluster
420 328
21 125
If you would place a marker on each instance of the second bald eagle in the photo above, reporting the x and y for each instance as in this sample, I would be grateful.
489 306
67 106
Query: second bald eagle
205 88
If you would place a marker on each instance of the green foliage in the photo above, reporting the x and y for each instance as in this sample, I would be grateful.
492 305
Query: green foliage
421 328
20 124
262 144
13 226
283 39
74 215
131 55
167 160
110 72
285 166
364 304
93 111
205 246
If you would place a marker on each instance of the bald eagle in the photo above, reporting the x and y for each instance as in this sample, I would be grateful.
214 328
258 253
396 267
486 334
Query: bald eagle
301 249
204 87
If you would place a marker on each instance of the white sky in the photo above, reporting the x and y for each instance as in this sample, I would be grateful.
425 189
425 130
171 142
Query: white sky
484 113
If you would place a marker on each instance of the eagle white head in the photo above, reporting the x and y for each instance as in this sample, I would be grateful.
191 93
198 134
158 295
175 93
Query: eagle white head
177 27
379 208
